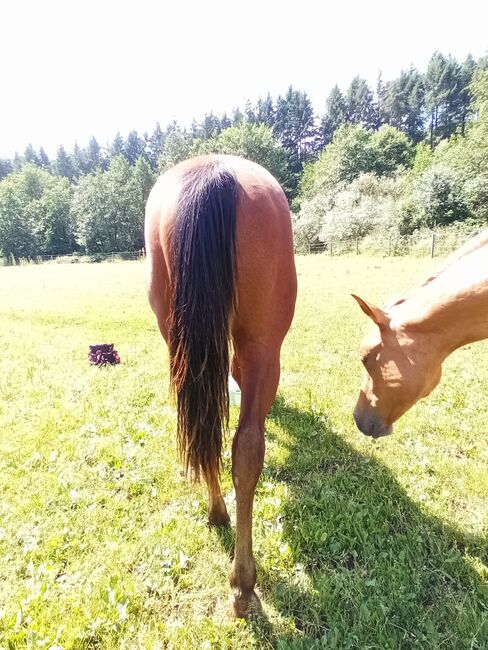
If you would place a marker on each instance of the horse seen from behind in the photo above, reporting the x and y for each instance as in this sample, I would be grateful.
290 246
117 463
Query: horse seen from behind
404 351
221 271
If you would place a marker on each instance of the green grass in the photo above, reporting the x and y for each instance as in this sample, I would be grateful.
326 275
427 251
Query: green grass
359 543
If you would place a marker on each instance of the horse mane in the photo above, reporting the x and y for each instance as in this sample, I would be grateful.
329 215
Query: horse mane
469 247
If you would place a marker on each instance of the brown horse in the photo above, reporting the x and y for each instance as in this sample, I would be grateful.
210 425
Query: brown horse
403 353
221 268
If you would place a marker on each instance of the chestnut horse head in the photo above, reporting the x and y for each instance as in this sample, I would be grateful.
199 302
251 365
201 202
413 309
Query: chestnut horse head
404 350
398 372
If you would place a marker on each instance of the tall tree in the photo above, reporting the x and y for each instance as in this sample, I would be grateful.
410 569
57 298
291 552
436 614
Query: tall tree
403 105
463 108
17 161
249 112
435 92
381 114
360 104
447 95
6 167
134 147
30 155
295 126
43 159
210 126
94 156
265 111
155 146
63 164
335 115
79 161
225 122
237 117
117 146
177 147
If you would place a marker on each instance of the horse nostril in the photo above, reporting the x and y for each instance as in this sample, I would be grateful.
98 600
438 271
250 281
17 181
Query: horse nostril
359 420
382 431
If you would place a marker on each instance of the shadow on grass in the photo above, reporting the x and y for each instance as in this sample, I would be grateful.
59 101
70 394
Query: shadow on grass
371 569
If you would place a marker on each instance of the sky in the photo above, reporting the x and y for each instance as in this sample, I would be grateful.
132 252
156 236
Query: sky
75 69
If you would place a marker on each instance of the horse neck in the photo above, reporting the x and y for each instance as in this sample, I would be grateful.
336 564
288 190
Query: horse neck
452 309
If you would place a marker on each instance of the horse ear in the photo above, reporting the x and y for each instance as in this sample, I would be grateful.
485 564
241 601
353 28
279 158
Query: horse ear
376 314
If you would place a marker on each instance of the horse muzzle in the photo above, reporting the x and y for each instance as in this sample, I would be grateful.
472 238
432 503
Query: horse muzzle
370 424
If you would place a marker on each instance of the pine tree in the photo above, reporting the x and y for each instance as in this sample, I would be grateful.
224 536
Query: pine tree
6 167
251 116
404 104
237 117
94 156
381 114
63 164
225 122
117 146
360 104
43 159
30 156
335 115
210 126
134 147
155 146
295 126
464 98
78 159
17 161
266 111
436 91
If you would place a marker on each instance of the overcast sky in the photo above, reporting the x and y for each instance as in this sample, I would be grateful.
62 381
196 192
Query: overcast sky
71 70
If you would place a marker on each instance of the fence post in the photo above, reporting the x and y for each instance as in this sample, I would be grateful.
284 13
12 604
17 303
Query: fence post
357 246
330 245
432 247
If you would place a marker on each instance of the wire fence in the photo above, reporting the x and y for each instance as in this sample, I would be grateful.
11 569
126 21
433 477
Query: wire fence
74 258
422 243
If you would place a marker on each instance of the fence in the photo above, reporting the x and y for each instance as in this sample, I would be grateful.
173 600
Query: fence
73 258
421 243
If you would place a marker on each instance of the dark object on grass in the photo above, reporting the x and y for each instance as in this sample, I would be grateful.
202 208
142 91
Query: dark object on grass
103 354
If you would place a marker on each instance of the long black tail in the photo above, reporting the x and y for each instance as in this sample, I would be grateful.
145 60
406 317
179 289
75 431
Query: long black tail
203 251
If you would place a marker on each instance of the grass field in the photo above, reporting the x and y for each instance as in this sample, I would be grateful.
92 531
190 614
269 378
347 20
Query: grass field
359 543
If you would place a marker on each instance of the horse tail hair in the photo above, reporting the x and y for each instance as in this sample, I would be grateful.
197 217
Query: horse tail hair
203 262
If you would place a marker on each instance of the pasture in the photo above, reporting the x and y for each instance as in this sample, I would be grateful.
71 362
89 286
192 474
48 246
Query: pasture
359 543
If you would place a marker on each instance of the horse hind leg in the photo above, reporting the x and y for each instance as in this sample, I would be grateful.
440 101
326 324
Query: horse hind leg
217 510
259 381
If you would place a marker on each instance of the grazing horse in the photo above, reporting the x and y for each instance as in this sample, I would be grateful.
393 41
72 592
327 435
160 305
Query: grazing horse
404 351
221 269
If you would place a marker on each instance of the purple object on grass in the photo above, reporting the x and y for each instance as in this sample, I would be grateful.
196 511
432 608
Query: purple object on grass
103 354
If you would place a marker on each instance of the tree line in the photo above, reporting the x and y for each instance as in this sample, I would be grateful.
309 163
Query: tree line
92 199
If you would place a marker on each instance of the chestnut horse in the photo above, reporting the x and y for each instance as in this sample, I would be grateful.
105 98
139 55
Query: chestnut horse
221 269
403 353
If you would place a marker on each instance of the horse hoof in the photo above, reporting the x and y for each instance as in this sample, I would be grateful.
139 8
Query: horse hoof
223 521
246 605
218 518
217 513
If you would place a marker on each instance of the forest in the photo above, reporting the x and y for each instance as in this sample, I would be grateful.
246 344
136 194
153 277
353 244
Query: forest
408 155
